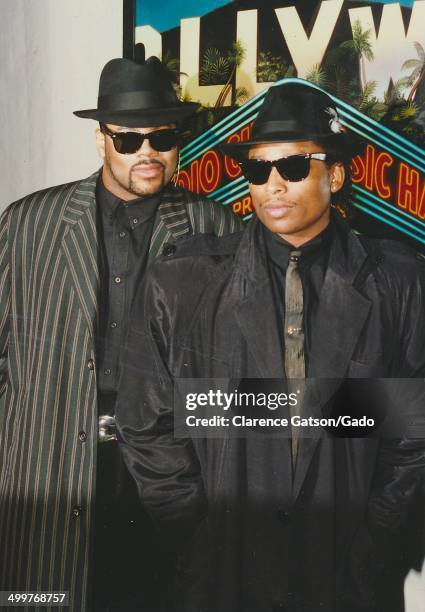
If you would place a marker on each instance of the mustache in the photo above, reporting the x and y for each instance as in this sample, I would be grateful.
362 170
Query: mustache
278 201
148 162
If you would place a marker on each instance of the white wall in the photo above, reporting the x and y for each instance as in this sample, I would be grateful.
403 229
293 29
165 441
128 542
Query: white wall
51 56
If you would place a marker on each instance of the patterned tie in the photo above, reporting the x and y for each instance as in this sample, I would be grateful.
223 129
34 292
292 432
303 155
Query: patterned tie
294 339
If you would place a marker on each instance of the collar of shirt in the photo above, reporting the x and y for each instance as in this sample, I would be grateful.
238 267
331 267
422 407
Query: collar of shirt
279 249
134 213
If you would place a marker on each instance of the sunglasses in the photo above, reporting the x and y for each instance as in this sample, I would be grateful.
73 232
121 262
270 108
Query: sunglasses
130 142
293 168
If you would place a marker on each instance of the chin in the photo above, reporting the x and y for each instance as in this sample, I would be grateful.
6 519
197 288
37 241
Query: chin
147 187
280 227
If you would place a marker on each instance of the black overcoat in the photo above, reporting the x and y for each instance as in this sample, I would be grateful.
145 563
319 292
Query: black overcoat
329 537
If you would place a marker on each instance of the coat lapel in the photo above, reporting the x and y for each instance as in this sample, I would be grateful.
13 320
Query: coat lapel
171 221
342 313
262 340
256 313
81 247
342 309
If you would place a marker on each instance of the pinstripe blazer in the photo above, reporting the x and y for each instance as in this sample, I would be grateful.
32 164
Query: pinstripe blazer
49 284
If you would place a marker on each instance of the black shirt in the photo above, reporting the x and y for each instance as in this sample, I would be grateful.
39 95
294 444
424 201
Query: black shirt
312 267
125 230
125 542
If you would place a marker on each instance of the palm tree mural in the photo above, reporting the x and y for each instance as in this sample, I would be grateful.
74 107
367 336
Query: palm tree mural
361 44
395 92
271 68
172 66
338 66
369 104
318 76
399 109
418 70
217 67
235 58
214 67
407 118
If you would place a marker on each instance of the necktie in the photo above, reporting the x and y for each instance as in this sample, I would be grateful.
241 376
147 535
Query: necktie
294 339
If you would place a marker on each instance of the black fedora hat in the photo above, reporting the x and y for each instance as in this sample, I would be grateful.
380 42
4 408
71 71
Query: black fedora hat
137 94
296 111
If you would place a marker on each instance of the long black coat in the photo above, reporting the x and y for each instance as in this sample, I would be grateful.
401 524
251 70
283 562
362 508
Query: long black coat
330 536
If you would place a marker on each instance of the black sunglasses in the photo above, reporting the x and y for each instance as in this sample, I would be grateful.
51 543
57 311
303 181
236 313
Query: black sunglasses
130 142
293 168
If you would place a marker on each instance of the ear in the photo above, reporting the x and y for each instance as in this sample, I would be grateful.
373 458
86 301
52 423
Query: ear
100 143
337 176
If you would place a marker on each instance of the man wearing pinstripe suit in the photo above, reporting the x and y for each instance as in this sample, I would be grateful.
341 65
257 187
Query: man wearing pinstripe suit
69 259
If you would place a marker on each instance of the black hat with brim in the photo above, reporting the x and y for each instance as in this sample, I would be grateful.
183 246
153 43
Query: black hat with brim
137 95
295 112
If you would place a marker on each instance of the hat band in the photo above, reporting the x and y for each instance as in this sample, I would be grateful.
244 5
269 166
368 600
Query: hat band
289 128
270 127
136 100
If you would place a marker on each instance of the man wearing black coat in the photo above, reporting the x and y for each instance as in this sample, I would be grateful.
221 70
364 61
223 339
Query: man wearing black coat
308 520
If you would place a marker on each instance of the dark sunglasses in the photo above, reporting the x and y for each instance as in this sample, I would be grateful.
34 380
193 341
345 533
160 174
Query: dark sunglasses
293 168
130 142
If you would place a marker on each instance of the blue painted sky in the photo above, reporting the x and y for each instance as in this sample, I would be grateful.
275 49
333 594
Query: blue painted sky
402 2
165 14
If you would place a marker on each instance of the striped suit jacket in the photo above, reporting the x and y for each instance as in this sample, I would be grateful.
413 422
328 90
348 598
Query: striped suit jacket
49 286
